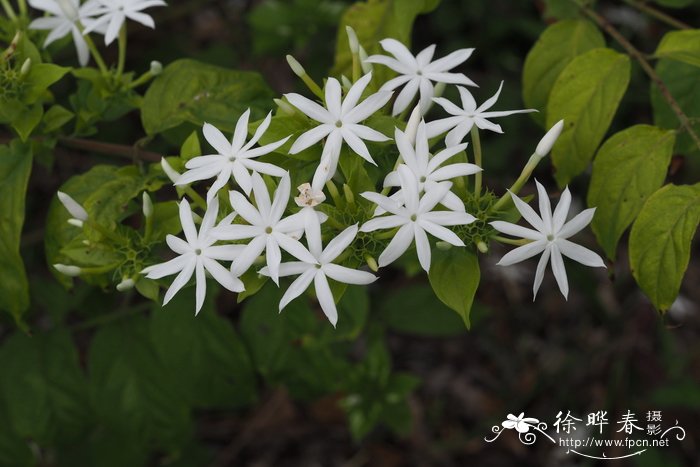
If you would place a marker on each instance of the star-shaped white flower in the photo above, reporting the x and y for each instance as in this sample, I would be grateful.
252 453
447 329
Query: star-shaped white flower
416 217
340 121
234 158
320 268
463 119
267 229
549 238
66 18
111 15
419 73
427 169
197 254
521 423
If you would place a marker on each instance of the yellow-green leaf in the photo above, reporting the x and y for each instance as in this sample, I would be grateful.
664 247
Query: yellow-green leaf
454 276
683 46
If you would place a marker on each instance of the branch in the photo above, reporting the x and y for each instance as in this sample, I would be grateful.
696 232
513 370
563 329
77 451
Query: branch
660 15
648 69
111 149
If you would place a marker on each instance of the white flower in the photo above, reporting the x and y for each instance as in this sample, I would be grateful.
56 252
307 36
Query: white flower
340 121
463 119
66 17
172 174
267 229
428 170
419 73
320 268
521 423
111 15
549 238
233 159
308 196
197 254
416 218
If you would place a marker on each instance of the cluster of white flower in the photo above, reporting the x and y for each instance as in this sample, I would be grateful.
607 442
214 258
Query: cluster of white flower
423 201
101 16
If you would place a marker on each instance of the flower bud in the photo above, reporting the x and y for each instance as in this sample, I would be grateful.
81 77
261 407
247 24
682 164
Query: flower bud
482 247
352 40
444 246
72 271
147 205
156 68
125 284
372 263
285 106
366 66
76 223
548 140
26 68
412 125
347 84
75 210
296 66
169 171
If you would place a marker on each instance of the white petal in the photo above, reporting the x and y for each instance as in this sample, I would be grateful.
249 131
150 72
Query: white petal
242 177
450 61
298 287
200 286
354 94
398 50
236 232
292 268
448 172
72 206
422 247
367 107
262 197
384 202
338 244
348 275
262 128
309 108
576 224
545 208
274 258
405 97
449 107
179 281
248 256
559 270
178 245
459 132
394 65
426 94
449 78
580 254
539 274
398 245
516 230
366 132
294 248
357 145
409 188
381 223
325 297
528 213
443 233
201 173
523 252
241 132
187 222
220 182
168 268
243 207
333 95
223 252
425 56
263 167
561 211
433 196
311 137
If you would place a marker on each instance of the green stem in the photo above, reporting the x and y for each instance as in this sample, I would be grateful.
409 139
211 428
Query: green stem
660 15
519 183
476 142
141 80
386 235
356 67
311 84
198 200
8 10
23 8
96 55
106 233
648 69
511 241
122 51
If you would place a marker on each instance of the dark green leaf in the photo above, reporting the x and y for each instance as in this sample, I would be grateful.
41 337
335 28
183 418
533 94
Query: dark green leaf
27 120
586 95
558 45
194 92
40 77
660 241
15 167
454 276
56 117
629 167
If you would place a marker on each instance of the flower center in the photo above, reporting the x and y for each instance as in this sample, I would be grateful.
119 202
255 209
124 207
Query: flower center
550 238
423 179
419 73
339 123
198 251
268 230
414 217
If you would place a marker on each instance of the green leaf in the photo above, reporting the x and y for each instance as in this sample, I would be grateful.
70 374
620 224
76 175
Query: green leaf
131 389
166 220
373 21
27 120
561 9
558 45
454 276
191 148
40 77
44 388
683 46
629 167
683 82
415 310
195 92
205 352
56 117
659 247
15 167
282 126
586 95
